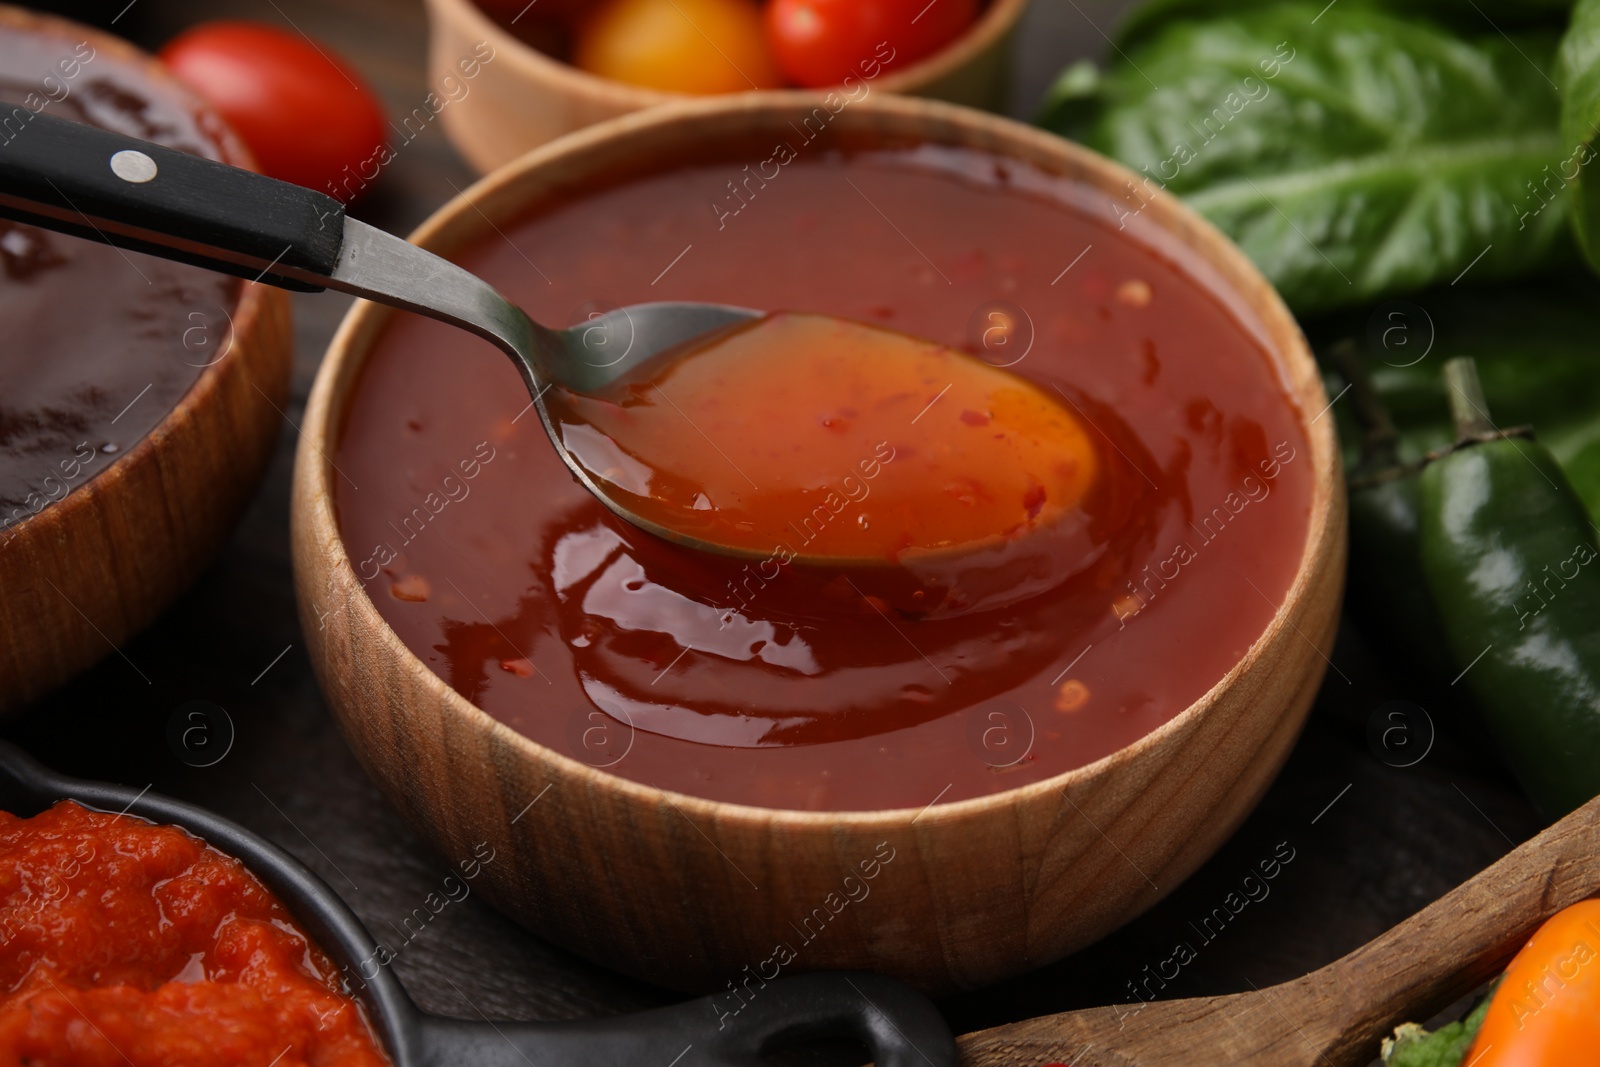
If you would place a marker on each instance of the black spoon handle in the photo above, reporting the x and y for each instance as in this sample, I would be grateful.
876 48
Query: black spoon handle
93 183
899 1026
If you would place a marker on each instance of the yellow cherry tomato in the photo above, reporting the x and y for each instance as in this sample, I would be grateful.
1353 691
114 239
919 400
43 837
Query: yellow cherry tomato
1546 1011
681 46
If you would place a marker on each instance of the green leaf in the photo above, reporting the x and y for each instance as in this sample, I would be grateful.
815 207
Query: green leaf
1073 96
1579 72
1480 16
1412 1046
1350 153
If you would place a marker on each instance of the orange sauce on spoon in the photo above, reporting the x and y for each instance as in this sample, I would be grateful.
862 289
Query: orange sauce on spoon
929 450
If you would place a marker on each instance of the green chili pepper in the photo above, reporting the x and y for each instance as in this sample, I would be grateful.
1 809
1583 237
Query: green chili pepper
1388 593
1536 358
1510 557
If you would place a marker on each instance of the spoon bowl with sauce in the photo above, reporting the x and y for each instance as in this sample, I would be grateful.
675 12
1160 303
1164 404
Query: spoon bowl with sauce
952 471
605 389
807 396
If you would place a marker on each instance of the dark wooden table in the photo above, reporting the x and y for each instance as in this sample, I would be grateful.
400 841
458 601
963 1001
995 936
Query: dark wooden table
1372 842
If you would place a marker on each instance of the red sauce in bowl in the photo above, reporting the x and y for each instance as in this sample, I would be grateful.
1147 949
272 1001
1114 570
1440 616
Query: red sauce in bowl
122 942
765 682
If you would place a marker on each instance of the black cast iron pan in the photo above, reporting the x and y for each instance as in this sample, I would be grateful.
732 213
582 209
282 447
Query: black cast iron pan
900 1027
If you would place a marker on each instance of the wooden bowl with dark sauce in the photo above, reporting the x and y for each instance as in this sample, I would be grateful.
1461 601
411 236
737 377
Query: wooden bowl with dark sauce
139 399
709 773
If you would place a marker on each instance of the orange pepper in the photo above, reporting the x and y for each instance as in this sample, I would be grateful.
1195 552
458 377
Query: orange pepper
1547 1009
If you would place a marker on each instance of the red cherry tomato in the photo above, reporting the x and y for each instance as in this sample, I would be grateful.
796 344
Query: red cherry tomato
821 42
306 117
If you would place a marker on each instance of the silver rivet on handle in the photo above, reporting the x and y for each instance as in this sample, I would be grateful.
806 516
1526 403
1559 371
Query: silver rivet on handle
133 166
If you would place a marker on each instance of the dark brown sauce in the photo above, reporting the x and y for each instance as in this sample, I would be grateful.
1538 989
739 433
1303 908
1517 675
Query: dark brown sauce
98 344
772 684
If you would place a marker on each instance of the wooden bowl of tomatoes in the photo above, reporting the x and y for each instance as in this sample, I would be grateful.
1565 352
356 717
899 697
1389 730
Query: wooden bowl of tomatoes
510 75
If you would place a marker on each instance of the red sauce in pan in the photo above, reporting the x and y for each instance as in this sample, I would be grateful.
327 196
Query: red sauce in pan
768 681
127 943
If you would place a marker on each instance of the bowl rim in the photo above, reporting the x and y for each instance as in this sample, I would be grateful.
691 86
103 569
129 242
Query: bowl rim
997 19
355 340
249 305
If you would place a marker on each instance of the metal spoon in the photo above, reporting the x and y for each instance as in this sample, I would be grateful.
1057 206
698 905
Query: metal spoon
92 183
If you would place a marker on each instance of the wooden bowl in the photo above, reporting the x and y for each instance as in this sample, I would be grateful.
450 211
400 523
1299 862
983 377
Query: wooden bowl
522 97
89 571
688 892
